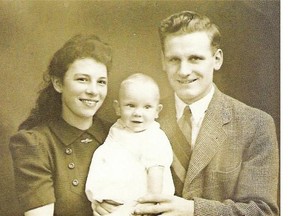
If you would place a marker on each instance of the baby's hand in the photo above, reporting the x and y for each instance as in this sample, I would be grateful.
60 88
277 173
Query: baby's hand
126 209
105 207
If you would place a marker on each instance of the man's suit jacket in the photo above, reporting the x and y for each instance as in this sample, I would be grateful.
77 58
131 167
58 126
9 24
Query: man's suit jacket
233 169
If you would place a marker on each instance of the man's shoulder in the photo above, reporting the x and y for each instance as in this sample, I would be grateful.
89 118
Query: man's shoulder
220 103
243 110
240 105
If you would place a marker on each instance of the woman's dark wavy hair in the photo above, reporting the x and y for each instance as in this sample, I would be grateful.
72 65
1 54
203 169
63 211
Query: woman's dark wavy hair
49 103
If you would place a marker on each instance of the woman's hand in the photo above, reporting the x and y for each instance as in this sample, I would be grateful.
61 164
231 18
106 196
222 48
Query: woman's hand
46 210
166 206
104 208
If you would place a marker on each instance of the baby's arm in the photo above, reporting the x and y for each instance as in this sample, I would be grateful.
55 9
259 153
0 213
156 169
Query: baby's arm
155 179
158 157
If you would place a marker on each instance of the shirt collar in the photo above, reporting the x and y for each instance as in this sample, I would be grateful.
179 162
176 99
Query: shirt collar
68 134
197 108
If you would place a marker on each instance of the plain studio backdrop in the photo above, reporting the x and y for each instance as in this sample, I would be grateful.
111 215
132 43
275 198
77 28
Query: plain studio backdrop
31 31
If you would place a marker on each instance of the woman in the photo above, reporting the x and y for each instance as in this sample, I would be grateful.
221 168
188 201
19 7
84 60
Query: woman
54 146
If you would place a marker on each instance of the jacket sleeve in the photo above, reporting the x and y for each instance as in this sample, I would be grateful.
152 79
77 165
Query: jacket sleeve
257 189
32 170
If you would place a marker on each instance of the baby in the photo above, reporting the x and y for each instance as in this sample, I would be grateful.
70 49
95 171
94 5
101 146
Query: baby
136 156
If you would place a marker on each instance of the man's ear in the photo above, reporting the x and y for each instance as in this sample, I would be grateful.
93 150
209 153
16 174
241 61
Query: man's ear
218 59
57 84
159 108
116 106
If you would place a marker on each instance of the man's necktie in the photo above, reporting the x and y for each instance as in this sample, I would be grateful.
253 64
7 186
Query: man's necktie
182 153
186 125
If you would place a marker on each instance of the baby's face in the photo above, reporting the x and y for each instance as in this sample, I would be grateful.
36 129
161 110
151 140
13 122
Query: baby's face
138 106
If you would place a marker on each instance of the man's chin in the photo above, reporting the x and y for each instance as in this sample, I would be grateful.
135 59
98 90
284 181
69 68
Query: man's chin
187 96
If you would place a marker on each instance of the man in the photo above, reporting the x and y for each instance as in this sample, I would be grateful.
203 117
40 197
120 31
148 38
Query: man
232 168
227 163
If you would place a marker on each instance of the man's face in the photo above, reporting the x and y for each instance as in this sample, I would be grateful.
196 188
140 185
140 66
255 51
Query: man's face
189 63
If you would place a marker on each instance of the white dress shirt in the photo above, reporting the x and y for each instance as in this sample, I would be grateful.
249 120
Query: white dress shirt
198 110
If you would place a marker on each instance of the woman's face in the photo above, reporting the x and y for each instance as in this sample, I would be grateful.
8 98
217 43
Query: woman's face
83 90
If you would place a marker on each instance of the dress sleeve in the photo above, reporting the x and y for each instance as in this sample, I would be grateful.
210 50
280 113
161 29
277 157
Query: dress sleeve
158 151
32 169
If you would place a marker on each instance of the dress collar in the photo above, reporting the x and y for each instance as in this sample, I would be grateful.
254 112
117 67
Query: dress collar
68 134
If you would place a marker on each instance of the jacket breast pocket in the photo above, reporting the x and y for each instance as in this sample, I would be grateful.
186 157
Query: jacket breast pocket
227 174
225 181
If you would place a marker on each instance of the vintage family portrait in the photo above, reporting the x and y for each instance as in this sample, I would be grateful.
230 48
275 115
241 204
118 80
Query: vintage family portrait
135 107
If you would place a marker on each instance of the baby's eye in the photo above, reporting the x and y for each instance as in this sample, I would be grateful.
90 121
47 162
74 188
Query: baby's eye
148 106
130 105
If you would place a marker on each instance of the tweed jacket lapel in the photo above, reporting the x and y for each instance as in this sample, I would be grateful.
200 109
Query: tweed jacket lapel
210 137
169 124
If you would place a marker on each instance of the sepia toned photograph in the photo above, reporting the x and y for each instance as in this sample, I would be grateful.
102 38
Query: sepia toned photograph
136 107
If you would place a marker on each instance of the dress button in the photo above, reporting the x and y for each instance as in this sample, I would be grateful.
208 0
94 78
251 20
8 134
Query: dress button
75 182
68 151
71 165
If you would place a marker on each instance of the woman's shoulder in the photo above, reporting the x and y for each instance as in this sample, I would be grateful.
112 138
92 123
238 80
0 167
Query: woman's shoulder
30 137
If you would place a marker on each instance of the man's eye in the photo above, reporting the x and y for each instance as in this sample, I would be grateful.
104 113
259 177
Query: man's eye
173 60
195 58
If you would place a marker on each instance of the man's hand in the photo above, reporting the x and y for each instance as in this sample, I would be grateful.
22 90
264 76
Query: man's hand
166 206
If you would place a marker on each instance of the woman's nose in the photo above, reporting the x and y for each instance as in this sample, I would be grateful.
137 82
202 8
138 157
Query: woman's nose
91 88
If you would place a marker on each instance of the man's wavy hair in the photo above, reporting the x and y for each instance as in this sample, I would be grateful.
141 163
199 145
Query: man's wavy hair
187 22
